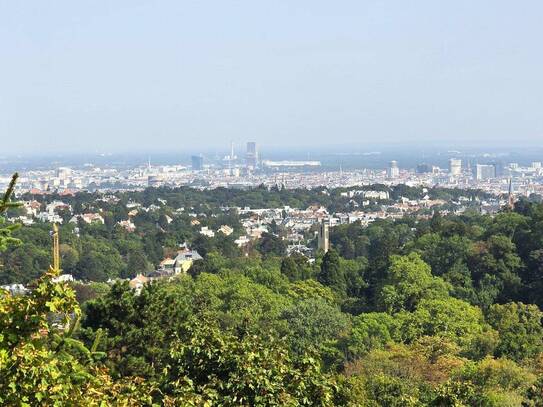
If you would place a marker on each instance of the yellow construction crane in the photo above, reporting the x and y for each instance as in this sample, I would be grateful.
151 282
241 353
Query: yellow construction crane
55 267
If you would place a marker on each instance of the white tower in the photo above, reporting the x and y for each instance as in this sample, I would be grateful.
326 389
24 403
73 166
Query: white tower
455 166
393 170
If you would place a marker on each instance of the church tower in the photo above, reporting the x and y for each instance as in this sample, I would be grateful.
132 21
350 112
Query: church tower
510 197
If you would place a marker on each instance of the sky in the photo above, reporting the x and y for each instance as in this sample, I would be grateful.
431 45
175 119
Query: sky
120 76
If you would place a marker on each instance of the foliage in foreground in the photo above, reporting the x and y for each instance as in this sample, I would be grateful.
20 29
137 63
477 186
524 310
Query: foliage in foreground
436 313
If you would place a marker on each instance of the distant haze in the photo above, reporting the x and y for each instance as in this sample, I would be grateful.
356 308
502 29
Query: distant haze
117 76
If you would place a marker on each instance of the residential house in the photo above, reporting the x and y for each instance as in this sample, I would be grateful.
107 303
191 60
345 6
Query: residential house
184 259
15 289
127 225
88 218
138 282
225 230
206 231
242 241
49 217
63 278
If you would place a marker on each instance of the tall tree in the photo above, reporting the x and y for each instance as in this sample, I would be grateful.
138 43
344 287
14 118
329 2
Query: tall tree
331 273
409 281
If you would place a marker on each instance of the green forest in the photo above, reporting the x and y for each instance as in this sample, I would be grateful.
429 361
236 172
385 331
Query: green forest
436 311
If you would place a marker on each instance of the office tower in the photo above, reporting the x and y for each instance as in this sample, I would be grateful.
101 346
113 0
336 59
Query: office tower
455 166
197 163
498 168
424 168
485 171
251 157
393 170
323 242
251 147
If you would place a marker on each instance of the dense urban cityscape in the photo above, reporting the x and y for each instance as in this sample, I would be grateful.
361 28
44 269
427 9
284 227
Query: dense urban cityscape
247 170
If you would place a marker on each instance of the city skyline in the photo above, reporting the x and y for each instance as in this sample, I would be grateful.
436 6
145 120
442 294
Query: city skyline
312 158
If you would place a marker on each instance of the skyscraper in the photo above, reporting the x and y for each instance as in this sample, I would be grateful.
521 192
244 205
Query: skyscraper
455 166
251 157
424 168
323 242
498 168
197 163
485 171
393 170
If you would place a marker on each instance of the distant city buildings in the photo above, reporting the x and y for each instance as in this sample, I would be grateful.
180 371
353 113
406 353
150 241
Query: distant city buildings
424 168
231 171
455 167
290 164
197 163
155 180
393 171
499 169
251 156
63 173
485 172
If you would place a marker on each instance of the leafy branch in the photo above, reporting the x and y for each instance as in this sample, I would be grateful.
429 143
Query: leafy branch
5 204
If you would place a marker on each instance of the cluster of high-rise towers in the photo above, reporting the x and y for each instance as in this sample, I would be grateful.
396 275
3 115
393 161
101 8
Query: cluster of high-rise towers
251 157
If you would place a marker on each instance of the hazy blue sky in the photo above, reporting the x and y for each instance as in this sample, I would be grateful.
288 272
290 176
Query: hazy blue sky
176 75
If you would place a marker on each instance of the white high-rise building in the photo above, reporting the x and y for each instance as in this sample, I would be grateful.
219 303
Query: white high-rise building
393 171
455 166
